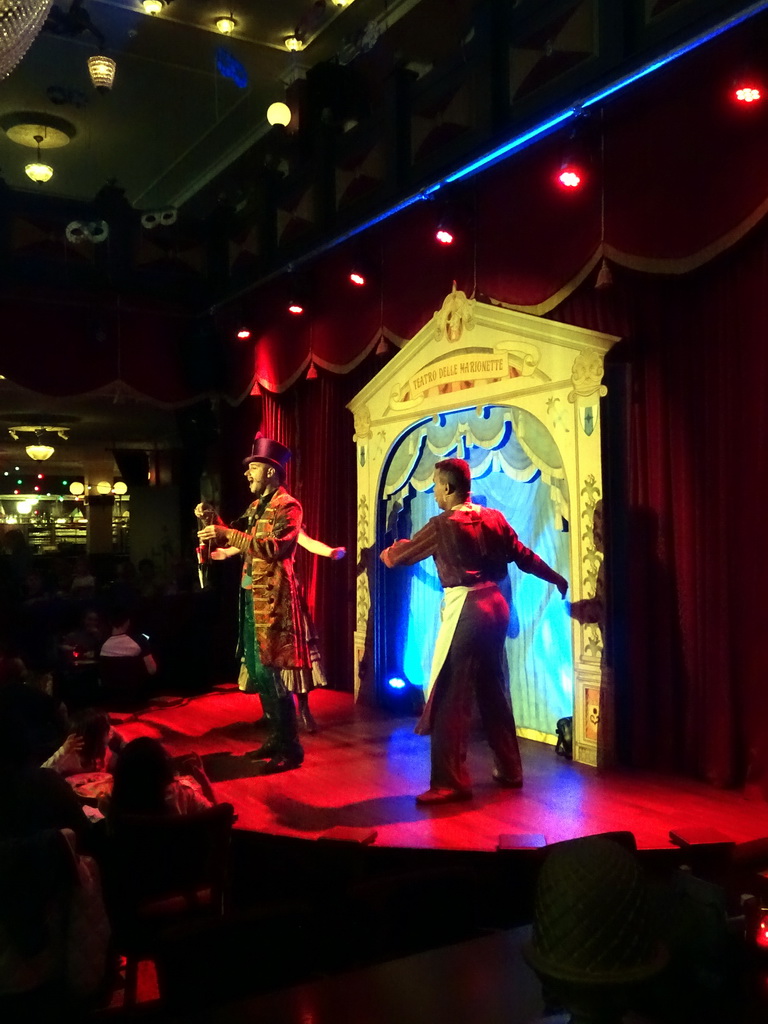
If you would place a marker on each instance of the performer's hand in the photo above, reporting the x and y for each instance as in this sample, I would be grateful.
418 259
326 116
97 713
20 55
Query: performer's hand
384 556
562 586
338 553
215 533
73 744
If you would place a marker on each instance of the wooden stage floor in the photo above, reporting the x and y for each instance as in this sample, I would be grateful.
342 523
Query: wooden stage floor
364 767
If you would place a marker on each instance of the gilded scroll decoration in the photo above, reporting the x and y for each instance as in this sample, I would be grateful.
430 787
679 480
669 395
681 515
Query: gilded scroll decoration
454 316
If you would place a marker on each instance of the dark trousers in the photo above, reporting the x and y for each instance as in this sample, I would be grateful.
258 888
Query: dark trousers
473 668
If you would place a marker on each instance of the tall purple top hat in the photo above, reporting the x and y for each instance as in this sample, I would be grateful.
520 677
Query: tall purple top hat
264 449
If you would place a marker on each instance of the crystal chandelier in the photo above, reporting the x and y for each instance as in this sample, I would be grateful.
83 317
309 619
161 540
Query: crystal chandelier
102 72
20 21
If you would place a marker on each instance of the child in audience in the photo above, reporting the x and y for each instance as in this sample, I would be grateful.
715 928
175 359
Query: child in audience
91 746
145 783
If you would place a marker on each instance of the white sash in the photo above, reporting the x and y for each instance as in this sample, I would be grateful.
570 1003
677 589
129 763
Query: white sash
450 610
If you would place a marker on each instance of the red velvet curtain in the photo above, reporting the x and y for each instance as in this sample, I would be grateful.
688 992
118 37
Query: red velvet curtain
686 553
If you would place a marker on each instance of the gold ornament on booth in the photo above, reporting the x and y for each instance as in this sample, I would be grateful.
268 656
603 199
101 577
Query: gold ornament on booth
454 316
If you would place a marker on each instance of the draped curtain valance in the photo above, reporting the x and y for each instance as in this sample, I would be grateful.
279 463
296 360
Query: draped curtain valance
496 438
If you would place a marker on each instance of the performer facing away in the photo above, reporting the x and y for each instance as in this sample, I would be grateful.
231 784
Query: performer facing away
273 643
471 546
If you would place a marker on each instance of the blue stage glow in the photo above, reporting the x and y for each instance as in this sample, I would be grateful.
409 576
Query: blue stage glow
538 649
396 683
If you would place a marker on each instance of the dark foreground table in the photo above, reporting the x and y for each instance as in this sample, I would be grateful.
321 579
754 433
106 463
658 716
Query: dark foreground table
483 980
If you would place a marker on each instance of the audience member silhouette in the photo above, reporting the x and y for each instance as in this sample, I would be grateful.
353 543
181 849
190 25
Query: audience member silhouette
145 784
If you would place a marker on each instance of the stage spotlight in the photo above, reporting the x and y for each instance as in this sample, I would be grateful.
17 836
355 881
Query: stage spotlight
296 293
573 172
747 89
571 175
243 334
360 271
445 234
401 695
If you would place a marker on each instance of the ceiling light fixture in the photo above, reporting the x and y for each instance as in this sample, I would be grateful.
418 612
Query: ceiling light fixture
294 44
226 25
38 171
39 452
102 72
153 6
342 3
279 113
39 449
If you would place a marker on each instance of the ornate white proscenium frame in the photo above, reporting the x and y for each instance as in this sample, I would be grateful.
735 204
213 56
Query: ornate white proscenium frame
471 355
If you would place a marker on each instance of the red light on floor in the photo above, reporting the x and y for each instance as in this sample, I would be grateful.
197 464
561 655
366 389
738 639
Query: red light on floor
356 278
296 309
444 236
570 177
243 334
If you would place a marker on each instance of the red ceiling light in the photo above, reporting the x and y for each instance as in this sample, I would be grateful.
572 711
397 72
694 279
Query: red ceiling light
747 89
295 308
570 177
243 334
444 235
357 278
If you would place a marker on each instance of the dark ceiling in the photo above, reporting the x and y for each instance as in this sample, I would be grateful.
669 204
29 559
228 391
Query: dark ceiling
170 125
172 121
176 133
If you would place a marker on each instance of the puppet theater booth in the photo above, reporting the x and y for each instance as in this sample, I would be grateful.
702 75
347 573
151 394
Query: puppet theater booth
518 397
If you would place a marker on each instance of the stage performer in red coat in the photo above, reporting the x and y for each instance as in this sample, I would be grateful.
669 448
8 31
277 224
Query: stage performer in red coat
472 546
273 643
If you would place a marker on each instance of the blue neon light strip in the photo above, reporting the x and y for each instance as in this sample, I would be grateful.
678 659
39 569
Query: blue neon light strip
520 141
509 147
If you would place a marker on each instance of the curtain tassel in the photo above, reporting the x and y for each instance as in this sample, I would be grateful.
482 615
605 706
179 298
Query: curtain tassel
604 275
312 371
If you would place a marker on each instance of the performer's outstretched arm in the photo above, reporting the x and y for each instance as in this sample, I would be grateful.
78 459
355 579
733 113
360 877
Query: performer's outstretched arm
316 547
408 552
528 561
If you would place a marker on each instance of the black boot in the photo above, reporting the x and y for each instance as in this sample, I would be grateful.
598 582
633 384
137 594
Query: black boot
289 752
306 721
271 745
